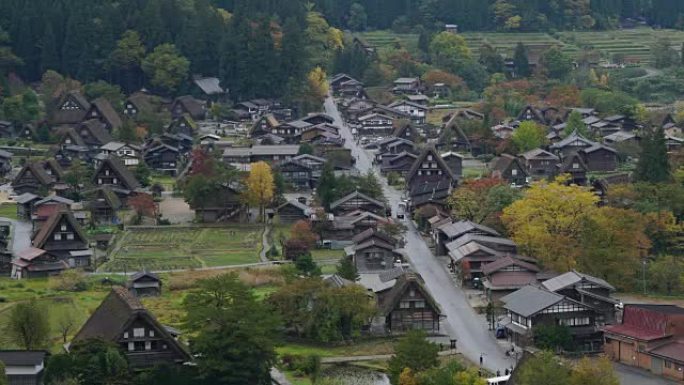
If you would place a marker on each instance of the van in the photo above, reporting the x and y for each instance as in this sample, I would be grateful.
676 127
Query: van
501 380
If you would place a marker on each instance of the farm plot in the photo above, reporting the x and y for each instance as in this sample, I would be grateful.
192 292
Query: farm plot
185 248
633 44
383 39
505 42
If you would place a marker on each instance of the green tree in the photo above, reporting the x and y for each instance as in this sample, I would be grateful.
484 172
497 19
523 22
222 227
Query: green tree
165 67
665 274
552 337
653 165
449 51
413 351
543 368
91 361
28 325
234 334
528 136
305 148
370 185
125 60
101 88
521 61
306 266
491 59
326 186
575 123
347 270
3 376
556 64
597 371
357 17
663 53
142 174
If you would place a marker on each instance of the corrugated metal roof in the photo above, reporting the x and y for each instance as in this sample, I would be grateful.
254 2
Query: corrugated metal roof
530 300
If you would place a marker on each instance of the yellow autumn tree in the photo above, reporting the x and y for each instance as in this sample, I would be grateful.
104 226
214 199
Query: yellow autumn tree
469 377
594 372
547 222
260 186
407 378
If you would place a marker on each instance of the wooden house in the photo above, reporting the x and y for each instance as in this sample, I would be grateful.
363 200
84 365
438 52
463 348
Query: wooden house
63 237
337 81
357 201
407 86
591 291
295 173
164 159
224 205
409 306
574 166
375 124
122 320
506 275
293 211
183 124
407 132
510 169
71 109
534 114
104 204
114 174
454 161
429 168
450 231
471 252
209 88
25 204
599 158
188 105
93 133
373 255
24 367
140 104
573 143
417 112
144 284
264 125
539 163
102 110
33 179
33 262
531 307
649 337
128 153
399 163
269 154
429 196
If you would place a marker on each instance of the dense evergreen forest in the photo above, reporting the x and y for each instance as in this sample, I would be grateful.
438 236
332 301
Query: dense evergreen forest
277 42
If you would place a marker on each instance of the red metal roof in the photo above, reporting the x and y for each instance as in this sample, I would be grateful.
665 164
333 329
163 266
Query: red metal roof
673 350
634 333
641 323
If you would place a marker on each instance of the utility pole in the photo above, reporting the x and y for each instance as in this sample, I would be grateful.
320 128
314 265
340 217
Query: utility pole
643 275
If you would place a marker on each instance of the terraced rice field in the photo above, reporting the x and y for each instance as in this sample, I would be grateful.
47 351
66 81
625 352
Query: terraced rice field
184 248
634 44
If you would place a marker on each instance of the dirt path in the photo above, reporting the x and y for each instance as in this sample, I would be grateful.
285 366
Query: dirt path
265 247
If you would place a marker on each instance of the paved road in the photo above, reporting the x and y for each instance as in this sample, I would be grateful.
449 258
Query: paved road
462 322
635 376
21 238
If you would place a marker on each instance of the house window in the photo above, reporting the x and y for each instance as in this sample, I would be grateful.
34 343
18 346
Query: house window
514 172
575 165
70 236
125 335
412 293
419 304
148 345
99 180
151 333
404 304
138 332
131 346
114 181
58 237
668 364
63 227
106 172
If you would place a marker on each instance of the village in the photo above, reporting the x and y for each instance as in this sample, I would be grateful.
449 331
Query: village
359 215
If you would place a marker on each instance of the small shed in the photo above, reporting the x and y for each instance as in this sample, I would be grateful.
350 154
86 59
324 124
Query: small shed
144 284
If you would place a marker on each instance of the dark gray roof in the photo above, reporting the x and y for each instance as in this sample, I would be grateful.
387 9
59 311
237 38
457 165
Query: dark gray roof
571 138
22 357
356 194
530 300
108 113
459 228
25 198
572 278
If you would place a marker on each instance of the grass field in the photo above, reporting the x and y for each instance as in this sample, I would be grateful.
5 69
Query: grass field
178 248
635 44
8 210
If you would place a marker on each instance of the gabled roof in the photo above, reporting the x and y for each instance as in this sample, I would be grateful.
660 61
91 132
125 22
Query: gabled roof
98 132
435 158
400 132
372 243
108 113
597 147
372 115
38 172
306 210
405 80
142 274
408 103
116 312
506 262
122 172
370 233
193 106
26 198
575 136
143 101
569 161
572 278
530 300
538 153
53 165
109 196
458 252
356 194
456 229
504 162
54 199
22 357
49 226
210 86
392 298
70 131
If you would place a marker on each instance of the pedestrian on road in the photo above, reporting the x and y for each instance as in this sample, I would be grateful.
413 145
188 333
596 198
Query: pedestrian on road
481 360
